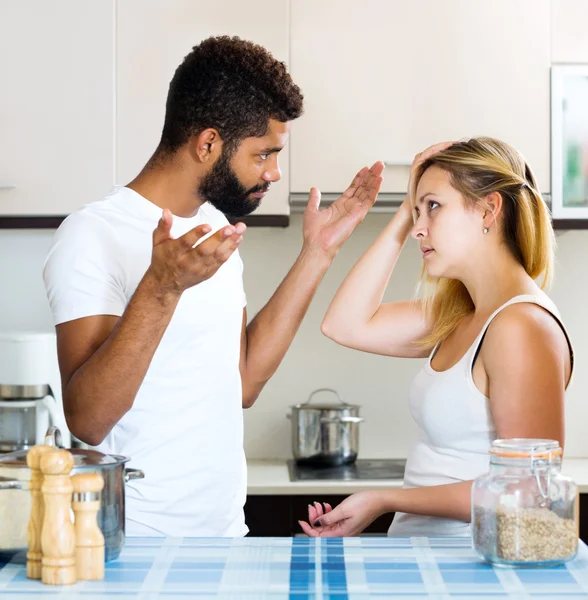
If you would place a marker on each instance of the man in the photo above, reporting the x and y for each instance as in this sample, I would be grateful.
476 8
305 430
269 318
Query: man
156 357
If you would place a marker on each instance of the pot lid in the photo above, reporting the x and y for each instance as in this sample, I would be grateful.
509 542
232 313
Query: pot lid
26 336
82 458
324 406
339 405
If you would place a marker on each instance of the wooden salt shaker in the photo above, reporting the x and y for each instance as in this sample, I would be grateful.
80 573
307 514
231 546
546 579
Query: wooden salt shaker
89 538
57 536
35 524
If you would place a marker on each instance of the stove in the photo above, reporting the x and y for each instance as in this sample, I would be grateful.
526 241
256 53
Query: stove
371 468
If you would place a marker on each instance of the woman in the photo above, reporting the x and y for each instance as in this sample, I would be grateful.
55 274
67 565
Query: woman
498 356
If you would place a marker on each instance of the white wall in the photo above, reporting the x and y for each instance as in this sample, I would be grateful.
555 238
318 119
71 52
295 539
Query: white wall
377 383
23 304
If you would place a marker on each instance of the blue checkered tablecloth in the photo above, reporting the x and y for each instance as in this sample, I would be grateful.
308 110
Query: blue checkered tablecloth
305 569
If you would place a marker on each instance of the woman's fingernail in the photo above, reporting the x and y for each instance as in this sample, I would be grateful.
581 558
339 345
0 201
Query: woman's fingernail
317 523
310 506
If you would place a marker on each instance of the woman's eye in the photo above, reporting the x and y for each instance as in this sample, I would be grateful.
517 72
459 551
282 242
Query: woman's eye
433 205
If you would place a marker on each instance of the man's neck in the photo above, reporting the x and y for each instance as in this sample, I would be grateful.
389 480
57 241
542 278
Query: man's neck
169 185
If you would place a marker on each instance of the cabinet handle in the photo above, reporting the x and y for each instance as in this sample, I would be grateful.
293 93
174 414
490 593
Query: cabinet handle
397 163
7 186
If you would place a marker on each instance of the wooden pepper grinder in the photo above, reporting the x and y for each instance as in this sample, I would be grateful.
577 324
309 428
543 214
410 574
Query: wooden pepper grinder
57 536
35 525
89 538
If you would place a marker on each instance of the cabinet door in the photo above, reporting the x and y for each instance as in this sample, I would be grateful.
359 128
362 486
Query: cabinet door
569 33
152 39
56 105
383 79
569 138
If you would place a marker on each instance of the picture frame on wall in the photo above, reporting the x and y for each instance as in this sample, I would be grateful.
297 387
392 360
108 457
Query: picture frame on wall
569 141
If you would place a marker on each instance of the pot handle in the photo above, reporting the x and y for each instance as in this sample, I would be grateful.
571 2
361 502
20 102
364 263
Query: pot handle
131 474
10 484
325 390
342 420
51 406
53 437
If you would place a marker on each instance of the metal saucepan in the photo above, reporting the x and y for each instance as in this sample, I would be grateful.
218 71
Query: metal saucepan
15 498
325 434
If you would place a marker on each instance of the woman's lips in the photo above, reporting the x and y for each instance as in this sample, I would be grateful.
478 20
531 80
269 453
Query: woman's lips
427 252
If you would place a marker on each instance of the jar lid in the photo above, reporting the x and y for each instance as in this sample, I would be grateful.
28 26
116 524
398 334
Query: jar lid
526 448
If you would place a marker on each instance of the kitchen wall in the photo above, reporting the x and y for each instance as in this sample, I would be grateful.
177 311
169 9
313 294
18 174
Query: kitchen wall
377 383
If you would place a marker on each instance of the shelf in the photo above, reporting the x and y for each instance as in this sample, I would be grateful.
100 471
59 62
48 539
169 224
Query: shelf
388 203
53 222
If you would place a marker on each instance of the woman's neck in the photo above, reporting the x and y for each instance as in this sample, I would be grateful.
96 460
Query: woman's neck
496 280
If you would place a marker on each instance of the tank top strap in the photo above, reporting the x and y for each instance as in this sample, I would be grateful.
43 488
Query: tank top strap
542 301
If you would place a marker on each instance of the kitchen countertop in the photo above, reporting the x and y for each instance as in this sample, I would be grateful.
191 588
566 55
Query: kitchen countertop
304 569
270 477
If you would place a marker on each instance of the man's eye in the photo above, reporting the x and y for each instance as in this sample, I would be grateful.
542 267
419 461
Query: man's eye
263 156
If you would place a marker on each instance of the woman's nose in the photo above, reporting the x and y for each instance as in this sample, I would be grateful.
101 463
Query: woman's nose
419 230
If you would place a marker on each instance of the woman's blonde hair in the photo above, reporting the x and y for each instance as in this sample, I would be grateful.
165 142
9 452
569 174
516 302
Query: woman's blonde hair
478 167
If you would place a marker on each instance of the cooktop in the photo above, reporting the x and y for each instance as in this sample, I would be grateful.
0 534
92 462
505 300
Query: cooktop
370 468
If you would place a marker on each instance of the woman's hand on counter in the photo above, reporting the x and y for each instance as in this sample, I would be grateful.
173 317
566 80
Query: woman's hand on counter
349 518
355 513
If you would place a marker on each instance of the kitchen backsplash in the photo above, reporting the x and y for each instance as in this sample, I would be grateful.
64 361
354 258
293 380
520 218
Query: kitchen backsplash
378 384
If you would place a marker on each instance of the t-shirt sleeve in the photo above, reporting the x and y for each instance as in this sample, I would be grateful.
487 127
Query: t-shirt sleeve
84 273
242 287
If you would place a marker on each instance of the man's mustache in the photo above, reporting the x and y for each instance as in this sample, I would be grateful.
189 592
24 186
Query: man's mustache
260 189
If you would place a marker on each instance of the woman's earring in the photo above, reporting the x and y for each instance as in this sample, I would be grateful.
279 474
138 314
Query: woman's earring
486 230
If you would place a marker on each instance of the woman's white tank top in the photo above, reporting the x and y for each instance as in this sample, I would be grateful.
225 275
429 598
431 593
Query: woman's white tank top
455 430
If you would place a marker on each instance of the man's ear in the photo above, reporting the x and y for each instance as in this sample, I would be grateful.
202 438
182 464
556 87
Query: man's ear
206 145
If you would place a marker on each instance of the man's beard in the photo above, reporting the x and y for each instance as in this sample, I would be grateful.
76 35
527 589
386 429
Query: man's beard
222 188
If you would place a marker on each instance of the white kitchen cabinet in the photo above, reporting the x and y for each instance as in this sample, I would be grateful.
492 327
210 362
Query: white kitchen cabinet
569 139
383 79
569 31
569 118
152 38
56 105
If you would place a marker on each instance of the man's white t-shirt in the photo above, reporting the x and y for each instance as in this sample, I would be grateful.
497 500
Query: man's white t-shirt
185 429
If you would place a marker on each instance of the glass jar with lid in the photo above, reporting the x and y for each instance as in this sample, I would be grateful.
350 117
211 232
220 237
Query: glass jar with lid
524 511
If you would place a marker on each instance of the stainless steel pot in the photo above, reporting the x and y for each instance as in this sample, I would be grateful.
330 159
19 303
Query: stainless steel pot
15 498
325 434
